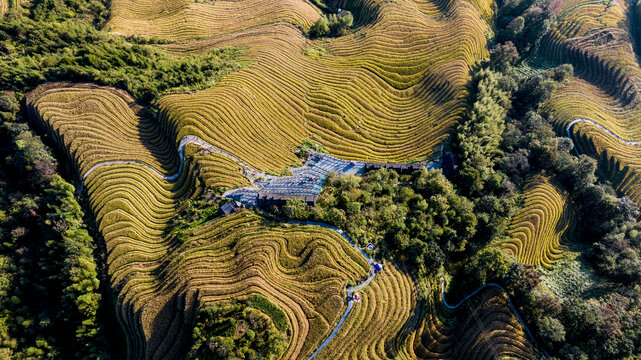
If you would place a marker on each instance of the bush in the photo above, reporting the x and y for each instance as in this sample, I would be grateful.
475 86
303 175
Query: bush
238 332
551 330
333 25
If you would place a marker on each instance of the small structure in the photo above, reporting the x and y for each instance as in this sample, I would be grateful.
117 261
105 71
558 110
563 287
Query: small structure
229 207
356 298
378 267
266 198
403 169
370 247
450 165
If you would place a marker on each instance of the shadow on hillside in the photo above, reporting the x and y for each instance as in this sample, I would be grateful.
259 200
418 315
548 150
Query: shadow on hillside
156 141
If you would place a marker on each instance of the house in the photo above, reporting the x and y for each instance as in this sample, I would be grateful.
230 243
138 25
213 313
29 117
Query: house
267 198
229 207
403 169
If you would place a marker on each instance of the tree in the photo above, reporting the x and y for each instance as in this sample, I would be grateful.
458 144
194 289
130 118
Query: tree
320 28
503 56
551 331
488 265
295 209
479 135
333 25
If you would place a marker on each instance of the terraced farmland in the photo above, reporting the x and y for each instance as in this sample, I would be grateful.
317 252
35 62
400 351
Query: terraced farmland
545 221
381 323
486 330
6 5
160 281
596 38
390 91
184 19
620 161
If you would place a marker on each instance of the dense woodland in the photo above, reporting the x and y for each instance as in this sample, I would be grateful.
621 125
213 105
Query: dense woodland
49 288
51 299
253 329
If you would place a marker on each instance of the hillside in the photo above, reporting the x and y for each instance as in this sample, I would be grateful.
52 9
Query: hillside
389 91
299 179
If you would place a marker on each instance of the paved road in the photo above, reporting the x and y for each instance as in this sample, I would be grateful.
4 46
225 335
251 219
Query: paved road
248 170
581 120
509 302
350 290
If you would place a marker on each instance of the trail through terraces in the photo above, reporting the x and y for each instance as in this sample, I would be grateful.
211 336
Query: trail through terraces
252 173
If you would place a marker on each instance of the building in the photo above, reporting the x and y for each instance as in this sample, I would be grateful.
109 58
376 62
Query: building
370 247
378 267
229 207
266 198
403 169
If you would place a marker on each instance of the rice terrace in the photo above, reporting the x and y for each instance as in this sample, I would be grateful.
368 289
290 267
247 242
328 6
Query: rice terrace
320 179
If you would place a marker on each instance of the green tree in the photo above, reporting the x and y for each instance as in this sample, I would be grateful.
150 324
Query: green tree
320 28
479 135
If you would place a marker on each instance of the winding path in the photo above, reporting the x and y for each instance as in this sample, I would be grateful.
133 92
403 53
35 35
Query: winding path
350 290
509 302
248 170
251 173
582 120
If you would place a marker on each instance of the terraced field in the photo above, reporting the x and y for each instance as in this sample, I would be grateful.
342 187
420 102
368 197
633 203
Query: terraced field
596 38
392 90
487 330
159 281
301 269
621 162
185 19
381 323
6 5
545 221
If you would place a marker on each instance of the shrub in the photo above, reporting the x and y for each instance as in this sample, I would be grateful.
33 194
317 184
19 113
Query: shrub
333 25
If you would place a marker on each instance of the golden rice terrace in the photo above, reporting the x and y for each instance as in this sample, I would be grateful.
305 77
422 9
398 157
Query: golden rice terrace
359 179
